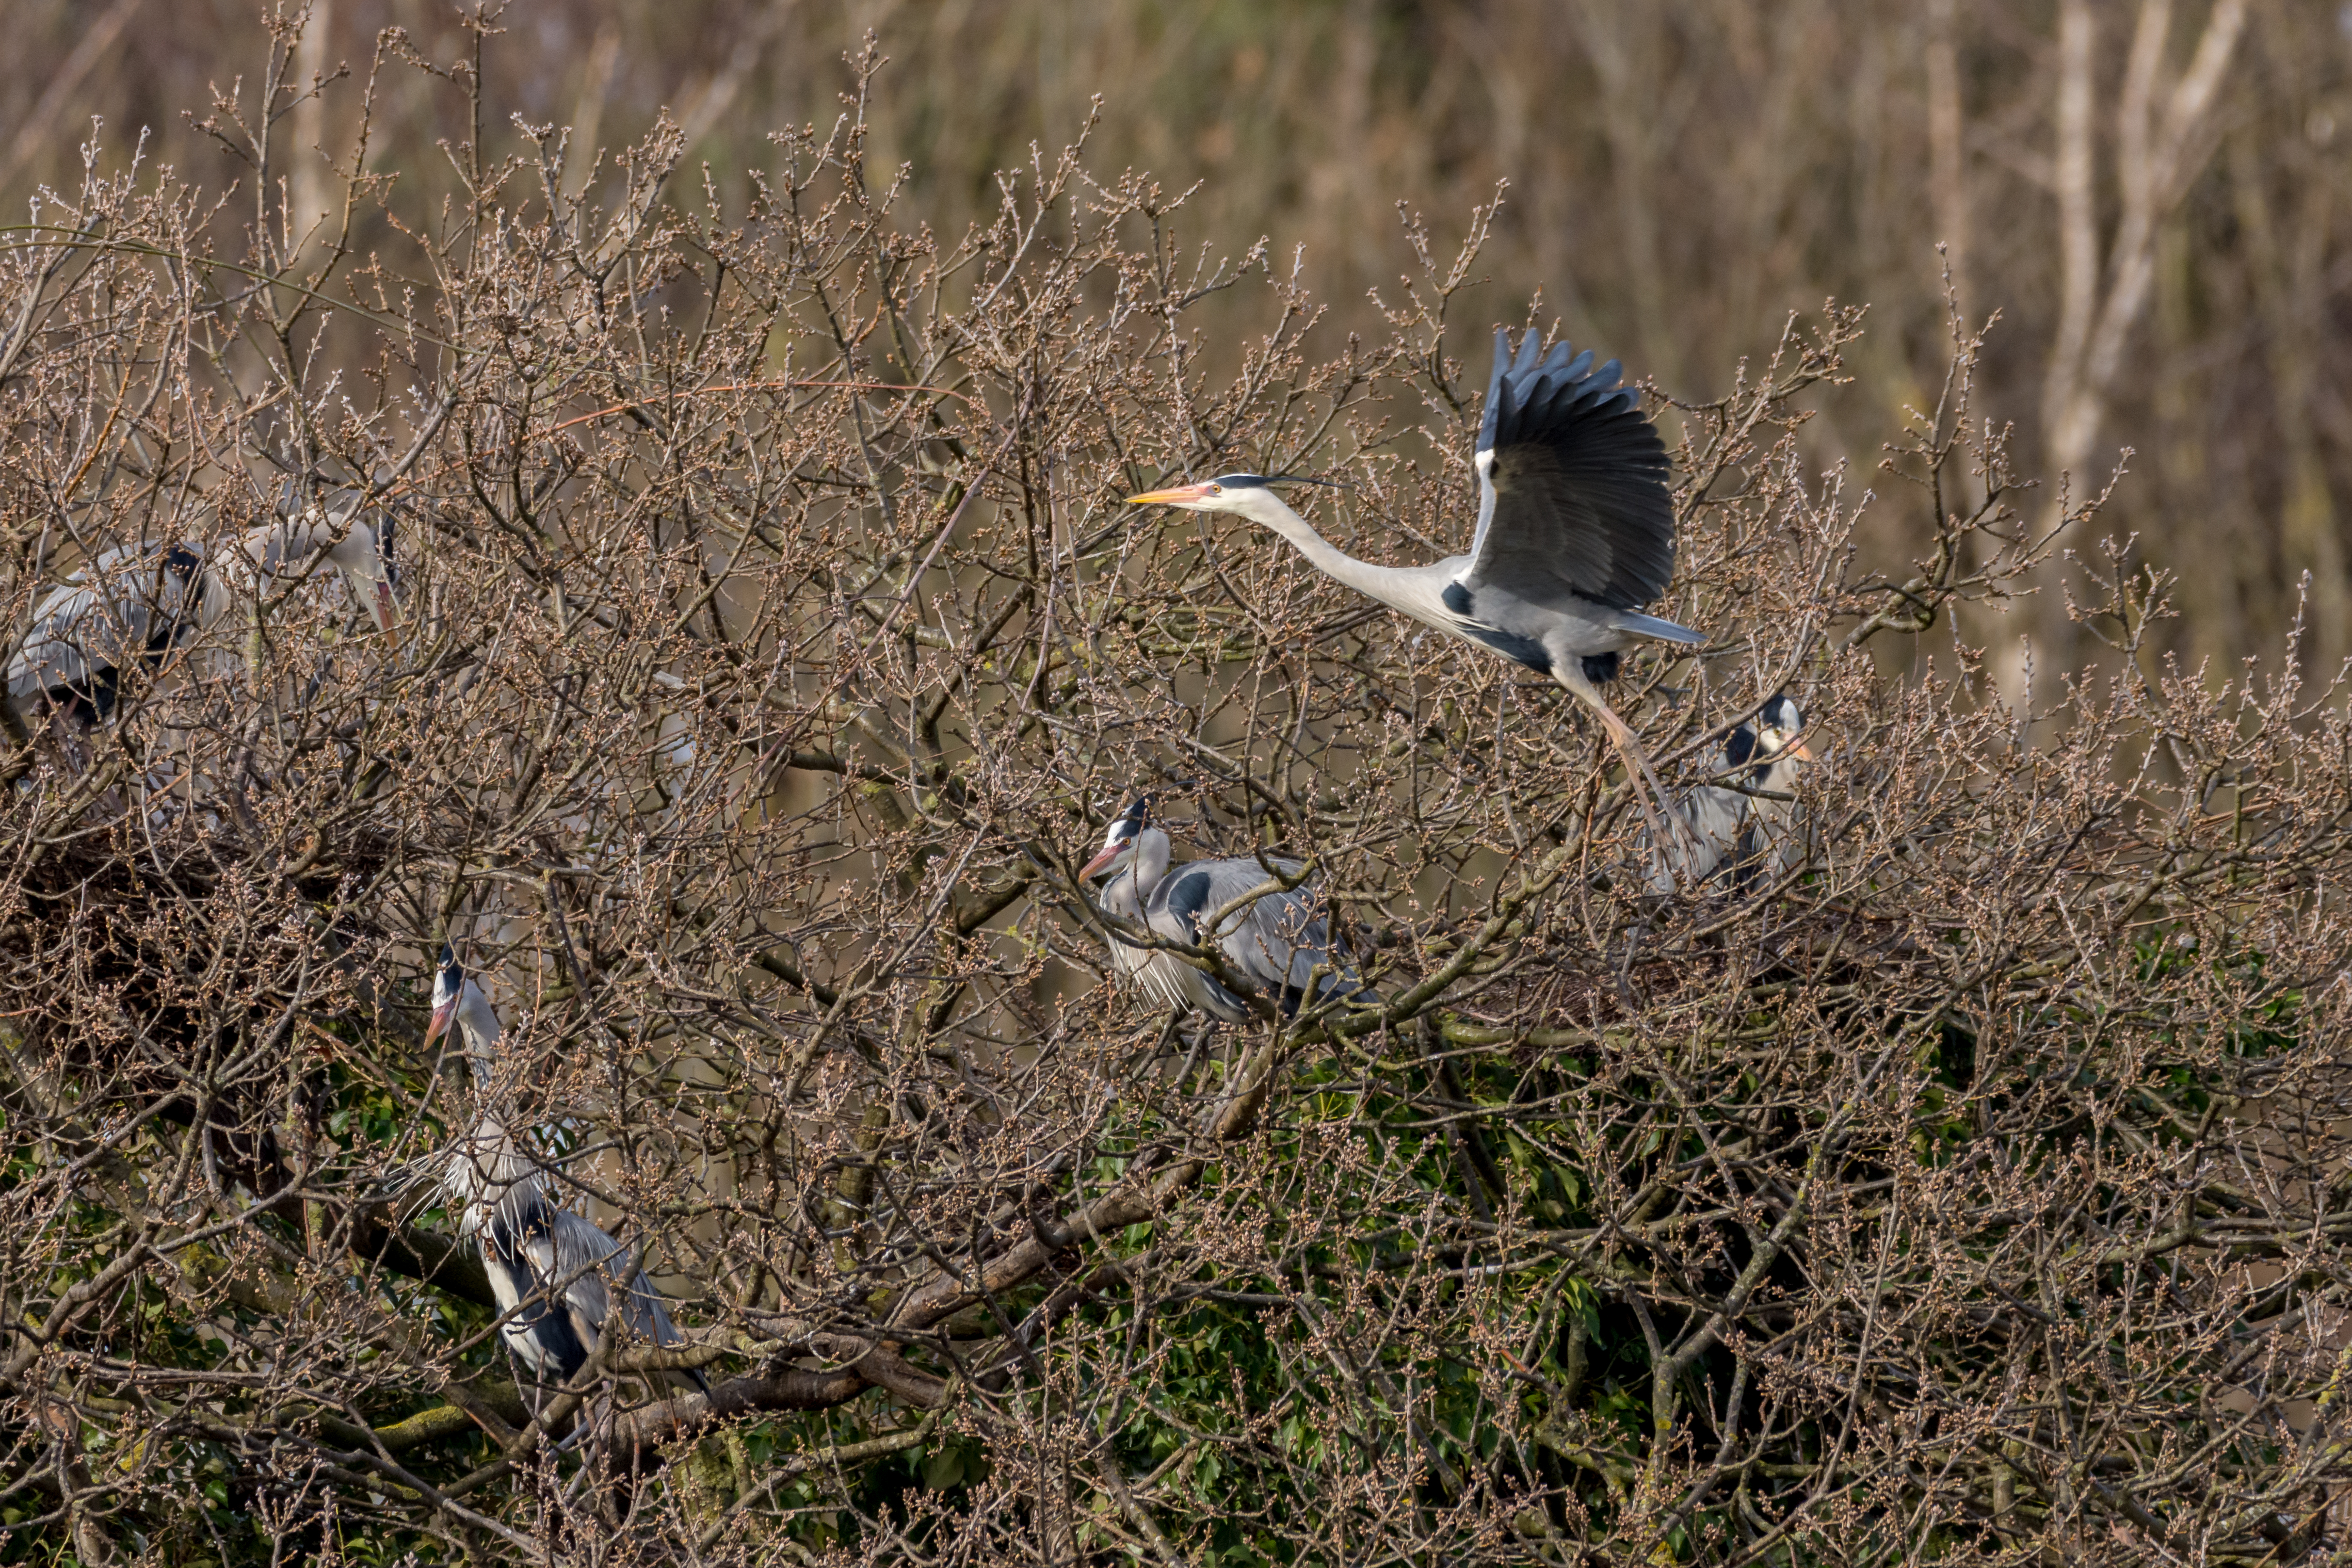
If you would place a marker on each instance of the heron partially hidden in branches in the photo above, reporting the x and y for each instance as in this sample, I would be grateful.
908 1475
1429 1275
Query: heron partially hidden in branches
1277 944
559 1279
1576 532
1741 821
138 602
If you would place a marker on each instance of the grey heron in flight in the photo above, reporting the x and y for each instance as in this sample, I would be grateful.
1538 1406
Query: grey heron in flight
138 602
1274 946
559 1279
1576 530
1725 823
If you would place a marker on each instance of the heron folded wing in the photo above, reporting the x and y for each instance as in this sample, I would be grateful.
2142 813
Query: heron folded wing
1574 500
133 601
520 1242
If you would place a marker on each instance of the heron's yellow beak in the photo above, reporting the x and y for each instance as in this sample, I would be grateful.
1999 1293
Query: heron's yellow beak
439 1023
1176 496
1800 751
1110 852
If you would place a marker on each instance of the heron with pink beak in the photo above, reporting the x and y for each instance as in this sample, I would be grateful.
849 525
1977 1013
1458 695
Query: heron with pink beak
1575 534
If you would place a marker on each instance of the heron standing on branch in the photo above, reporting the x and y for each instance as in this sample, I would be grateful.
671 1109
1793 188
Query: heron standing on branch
559 1279
1576 532
139 602
1277 946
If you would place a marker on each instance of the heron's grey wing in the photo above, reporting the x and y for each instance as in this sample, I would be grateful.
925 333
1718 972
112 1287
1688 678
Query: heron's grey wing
1275 942
579 1270
1713 819
50 656
133 601
1177 910
1281 940
1573 499
1190 894
649 1317
612 1285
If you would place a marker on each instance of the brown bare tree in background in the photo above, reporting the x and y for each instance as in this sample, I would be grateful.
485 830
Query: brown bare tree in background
2150 193
777 646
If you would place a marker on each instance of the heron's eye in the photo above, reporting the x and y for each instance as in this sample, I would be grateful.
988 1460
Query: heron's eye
1216 489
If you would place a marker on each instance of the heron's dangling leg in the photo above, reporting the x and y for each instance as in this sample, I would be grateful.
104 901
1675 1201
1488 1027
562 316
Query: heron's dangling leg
1663 819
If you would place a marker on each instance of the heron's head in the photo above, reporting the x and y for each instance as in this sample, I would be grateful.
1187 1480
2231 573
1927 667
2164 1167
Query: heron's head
1780 729
448 989
1119 844
1247 495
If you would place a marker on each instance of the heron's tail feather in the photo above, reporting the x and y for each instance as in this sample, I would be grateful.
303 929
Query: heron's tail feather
1219 1002
1643 625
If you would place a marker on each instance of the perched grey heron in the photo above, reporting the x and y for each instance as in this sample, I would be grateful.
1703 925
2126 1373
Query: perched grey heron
1725 823
130 604
140 601
1274 946
1576 530
558 1277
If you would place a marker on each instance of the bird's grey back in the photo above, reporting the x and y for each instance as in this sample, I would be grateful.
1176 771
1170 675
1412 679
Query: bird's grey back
1276 942
129 603
583 1247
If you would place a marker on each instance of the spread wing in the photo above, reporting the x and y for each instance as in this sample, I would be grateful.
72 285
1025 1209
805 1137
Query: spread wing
1572 484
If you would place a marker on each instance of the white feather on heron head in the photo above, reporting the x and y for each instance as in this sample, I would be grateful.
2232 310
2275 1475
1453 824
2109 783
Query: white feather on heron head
1780 727
1121 842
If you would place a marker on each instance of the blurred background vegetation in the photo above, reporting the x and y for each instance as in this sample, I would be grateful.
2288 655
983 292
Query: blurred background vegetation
2153 196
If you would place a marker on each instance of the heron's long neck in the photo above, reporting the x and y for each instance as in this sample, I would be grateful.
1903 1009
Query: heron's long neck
1399 586
1779 777
478 1023
1152 852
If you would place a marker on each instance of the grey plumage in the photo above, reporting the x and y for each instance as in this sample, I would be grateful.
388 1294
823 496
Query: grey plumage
1718 825
1779 838
1272 947
131 605
136 603
1576 532
559 1279
1573 511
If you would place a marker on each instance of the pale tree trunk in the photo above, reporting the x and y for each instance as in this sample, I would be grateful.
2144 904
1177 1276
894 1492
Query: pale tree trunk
2075 174
2163 137
1623 44
2161 142
314 196
588 109
1948 145
2212 599
2289 286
